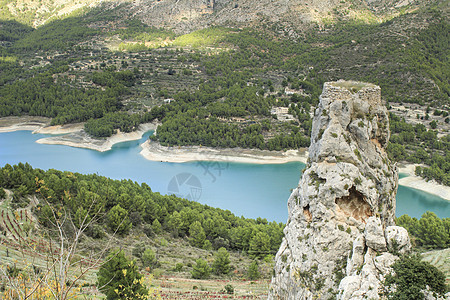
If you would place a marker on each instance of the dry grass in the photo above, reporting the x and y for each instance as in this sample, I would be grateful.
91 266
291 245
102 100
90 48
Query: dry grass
352 86
183 288
441 260
169 250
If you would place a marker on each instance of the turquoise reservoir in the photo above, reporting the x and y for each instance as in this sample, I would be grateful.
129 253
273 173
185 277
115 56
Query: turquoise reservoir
251 190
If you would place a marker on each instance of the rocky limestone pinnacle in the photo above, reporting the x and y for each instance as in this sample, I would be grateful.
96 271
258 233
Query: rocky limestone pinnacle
341 213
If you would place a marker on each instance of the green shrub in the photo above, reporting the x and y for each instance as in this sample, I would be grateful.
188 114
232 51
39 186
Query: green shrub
148 258
178 267
138 250
221 264
229 289
201 270
411 275
253 272
118 278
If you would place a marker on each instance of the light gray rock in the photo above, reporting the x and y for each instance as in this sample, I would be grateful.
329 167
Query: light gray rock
384 262
397 239
430 295
369 278
344 200
348 286
374 235
356 260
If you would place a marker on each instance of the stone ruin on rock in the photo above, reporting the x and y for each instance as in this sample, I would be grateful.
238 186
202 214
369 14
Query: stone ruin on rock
341 216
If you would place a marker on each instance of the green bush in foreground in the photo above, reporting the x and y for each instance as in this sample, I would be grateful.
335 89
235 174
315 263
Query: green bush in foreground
253 272
201 270
221 264
411 276
118 278
148 258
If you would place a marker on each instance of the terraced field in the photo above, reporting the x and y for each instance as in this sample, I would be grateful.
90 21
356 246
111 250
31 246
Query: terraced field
441 260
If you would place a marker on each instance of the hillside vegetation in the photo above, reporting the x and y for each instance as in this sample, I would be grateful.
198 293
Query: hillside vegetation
250 88
128 205
165 235
175 243
220 74
189 15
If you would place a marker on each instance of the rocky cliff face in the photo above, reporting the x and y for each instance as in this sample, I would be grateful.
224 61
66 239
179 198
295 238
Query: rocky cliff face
341 216
187 15
184 16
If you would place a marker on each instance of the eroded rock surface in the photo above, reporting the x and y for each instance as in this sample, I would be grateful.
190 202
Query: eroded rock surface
341 216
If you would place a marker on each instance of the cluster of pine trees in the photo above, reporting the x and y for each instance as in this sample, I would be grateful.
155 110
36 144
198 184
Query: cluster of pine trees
417 144
41 96
128 206
429 231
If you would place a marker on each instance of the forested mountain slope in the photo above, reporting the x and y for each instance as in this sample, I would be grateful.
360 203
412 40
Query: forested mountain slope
251 84
188 15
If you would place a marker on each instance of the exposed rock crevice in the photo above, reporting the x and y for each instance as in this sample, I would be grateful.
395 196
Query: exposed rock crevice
307 213
341 215
354 205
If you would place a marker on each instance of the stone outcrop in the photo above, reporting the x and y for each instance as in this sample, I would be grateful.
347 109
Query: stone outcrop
184 16
341 216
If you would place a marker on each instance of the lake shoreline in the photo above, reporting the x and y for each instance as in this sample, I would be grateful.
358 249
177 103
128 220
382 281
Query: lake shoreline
11 124
418 183
73 135
155 152
80 139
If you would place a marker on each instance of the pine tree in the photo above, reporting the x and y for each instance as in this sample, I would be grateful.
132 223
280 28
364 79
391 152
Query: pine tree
118 220
197 234
201 270
119 278
431 231
253 272
260 245
221 264
148 258
156 226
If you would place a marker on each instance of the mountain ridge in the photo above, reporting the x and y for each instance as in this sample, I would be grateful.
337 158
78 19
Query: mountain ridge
187 15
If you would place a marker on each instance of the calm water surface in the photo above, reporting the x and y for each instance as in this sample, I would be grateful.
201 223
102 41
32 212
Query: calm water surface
250 190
